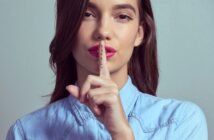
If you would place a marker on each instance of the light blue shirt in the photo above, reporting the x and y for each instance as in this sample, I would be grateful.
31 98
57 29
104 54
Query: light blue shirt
151 118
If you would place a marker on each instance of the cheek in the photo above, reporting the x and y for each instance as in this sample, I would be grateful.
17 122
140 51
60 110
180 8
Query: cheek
82 35
128 34
127 40
125 53
86 30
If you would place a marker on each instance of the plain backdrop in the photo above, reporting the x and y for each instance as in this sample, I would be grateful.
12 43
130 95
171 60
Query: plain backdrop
185 44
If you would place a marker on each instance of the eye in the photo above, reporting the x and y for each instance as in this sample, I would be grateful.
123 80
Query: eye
124 18
88 15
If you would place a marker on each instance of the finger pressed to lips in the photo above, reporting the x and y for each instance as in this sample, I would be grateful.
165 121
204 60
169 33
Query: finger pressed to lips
104 72
92 80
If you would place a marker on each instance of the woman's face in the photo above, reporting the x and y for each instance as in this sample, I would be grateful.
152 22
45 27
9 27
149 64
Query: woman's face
117 23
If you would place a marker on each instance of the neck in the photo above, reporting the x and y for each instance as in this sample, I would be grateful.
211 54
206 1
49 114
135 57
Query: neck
120 76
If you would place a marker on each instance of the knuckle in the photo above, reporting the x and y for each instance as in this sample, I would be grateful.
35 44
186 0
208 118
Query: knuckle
94 99
114 98
90 77
115 86
114 91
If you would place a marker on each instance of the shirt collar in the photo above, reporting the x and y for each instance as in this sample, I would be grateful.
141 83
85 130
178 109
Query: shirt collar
128 95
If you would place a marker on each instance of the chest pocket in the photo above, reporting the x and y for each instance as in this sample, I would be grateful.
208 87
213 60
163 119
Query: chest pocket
147 126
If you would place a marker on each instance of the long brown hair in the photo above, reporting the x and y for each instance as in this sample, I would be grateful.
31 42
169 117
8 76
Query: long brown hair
143 65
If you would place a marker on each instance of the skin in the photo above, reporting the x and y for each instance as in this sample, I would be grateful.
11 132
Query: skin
99 80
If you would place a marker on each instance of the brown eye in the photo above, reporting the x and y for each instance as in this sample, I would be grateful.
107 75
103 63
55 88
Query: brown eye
88 15
123 18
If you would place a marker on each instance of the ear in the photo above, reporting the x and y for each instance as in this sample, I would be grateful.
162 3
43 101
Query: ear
139 36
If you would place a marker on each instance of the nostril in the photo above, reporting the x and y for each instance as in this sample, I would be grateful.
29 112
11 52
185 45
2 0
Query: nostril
102 34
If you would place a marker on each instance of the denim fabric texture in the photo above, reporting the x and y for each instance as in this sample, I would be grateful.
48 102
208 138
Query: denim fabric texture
150 117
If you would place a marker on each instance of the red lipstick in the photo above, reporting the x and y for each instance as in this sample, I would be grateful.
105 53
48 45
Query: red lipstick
94 51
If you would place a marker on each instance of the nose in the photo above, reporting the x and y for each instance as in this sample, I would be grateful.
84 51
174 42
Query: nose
103 30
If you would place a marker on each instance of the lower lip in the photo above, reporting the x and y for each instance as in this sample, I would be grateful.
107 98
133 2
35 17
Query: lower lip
108 54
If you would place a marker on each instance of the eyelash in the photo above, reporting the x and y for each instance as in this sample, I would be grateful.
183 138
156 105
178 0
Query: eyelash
88 14
124 17
119 17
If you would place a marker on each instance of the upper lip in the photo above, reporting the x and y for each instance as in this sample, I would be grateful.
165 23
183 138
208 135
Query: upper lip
107 48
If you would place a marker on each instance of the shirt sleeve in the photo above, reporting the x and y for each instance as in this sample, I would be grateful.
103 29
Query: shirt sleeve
15 132
193 126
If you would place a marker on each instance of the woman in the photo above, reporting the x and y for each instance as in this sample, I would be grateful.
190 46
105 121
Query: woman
105 58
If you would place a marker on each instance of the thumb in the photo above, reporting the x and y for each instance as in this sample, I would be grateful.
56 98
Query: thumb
73 90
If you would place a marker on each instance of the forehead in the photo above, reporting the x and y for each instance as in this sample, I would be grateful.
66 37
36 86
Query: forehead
106 4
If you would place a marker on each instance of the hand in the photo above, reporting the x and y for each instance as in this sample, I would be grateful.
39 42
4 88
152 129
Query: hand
101 95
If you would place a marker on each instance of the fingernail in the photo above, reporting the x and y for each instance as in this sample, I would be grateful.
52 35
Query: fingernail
102 43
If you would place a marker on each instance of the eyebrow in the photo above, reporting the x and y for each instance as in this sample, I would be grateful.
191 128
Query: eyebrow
124 6
116 7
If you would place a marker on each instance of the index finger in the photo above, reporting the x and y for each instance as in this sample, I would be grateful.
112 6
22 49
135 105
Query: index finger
104 71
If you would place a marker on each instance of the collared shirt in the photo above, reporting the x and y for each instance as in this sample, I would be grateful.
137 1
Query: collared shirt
150 117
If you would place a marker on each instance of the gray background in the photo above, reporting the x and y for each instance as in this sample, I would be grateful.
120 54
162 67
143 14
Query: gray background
185 44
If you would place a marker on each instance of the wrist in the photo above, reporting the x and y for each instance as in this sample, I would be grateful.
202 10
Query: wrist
125 134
